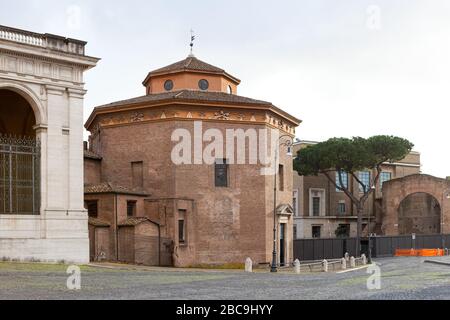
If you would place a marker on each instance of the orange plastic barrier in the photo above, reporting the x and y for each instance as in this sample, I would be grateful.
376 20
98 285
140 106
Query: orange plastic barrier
419 253
406 253
431 252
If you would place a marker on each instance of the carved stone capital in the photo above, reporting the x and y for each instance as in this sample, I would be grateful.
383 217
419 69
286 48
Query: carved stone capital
39 128
55 90
76 93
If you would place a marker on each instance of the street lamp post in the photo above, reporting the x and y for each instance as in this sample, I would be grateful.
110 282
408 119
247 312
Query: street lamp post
273 267
445 196
369 242
287 143
368 228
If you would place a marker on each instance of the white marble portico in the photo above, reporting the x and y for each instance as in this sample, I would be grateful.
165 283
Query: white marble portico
47 71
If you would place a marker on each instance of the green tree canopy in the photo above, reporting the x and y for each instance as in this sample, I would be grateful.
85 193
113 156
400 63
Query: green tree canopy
350 155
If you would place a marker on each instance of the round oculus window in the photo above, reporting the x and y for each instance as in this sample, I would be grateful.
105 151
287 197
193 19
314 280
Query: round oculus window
203 84
168 85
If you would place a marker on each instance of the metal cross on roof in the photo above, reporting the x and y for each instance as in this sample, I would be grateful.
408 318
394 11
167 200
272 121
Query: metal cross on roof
192 42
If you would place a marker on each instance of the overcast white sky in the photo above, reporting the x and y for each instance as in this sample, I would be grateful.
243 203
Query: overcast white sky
346 68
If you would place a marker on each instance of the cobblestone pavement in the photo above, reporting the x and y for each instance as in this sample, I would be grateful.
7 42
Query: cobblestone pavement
401 278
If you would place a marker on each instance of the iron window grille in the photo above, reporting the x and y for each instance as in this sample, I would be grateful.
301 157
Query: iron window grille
20 177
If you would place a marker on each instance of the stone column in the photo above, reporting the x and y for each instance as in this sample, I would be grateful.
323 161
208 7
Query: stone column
56 151
75 164
41 135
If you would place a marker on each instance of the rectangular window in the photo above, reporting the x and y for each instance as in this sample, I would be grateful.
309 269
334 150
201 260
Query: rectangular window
137 174
181 231
181 226
384 176
364 177
342 208
131 208
92 208
221 173
344 184
343 231
295 231
316 206
281 177
316 231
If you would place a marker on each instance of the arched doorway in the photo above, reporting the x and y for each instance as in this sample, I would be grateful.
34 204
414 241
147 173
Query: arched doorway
419 213
19 156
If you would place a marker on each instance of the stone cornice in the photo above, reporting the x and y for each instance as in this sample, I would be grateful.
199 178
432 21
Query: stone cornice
39 53
226 107
258 117
40 80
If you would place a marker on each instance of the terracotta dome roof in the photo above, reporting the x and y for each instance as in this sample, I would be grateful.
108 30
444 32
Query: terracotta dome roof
188 64
192 64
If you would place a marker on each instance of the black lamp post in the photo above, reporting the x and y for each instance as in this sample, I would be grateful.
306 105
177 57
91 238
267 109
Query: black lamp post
369 242
369 258
287 143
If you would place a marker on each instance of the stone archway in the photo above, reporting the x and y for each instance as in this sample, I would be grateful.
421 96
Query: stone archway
419 213
28 95
19 156
17 117
416 204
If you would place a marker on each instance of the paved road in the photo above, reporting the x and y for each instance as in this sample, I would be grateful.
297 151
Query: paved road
401 278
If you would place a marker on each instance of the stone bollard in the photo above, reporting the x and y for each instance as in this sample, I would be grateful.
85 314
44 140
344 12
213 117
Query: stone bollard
343 264
297 266
347 257
364 259
248 265
325 265
352 262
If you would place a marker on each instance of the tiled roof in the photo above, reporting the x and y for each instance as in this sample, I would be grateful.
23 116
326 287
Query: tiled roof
107 187
91 155
188 95
131 222
190 63
98 223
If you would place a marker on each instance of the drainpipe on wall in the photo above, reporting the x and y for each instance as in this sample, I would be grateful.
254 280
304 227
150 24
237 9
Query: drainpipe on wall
116 228
445 196
159 244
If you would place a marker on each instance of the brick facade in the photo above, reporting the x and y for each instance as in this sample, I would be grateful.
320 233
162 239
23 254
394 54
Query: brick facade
223 225
396 192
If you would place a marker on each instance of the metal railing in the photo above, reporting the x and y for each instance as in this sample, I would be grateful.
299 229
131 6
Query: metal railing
19 175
